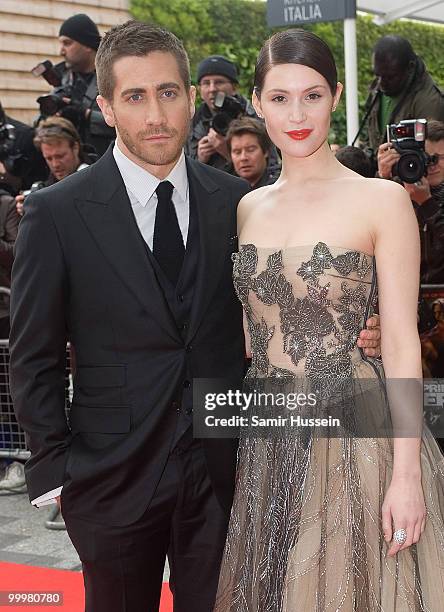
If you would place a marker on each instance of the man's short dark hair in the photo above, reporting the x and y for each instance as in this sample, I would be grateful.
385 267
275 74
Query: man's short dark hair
435 130
395 49
248 125
355 159
137 39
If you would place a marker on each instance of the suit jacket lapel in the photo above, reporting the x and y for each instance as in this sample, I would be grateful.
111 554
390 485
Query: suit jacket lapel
214 222
109 217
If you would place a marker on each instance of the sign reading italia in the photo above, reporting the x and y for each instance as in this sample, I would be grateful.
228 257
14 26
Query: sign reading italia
298 12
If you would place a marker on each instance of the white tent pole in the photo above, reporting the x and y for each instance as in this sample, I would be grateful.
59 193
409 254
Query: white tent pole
351 79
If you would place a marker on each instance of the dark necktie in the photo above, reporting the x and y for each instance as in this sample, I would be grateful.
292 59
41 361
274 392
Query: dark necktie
168 246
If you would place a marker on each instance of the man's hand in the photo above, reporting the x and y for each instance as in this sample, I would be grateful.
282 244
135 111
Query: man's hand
219 143
19 199
419 192
205 150
76 113
387 156
370 338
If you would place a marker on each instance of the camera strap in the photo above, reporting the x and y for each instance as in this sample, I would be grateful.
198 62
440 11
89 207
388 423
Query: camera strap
91 91
366 116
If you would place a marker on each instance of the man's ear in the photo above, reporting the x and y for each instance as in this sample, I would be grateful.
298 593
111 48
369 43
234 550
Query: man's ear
107 110
192 98
257 104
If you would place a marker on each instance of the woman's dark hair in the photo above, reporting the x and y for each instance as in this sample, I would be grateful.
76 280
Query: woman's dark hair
296 47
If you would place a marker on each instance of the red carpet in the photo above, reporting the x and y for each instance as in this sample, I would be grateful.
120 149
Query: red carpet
25 578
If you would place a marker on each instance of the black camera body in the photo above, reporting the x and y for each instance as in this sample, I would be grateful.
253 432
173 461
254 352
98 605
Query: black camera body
408 139
7 139
14 161
228 108
52 103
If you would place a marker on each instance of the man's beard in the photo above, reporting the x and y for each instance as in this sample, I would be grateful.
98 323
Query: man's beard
161 155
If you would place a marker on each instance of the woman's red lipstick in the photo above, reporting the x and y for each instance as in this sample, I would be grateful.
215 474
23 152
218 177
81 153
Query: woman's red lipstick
299 134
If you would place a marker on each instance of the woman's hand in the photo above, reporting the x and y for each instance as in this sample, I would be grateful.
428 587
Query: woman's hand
403 508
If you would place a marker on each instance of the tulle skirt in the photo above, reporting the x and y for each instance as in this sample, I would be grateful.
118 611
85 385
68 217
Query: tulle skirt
305 530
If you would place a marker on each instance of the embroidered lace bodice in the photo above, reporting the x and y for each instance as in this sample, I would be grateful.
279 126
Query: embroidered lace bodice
305 307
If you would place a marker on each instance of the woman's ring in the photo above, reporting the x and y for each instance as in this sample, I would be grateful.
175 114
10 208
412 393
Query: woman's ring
400 536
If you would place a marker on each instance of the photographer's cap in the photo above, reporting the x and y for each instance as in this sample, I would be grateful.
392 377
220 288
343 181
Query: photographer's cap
82 29
217 64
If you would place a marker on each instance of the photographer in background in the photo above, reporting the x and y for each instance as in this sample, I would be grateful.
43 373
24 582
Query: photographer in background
427 195
9 222
75 98
355 159
215 75
249 146
20 163
60 145
402 89
12 477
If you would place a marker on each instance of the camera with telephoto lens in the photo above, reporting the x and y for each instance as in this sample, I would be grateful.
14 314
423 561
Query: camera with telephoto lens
52 103
408 139
228 108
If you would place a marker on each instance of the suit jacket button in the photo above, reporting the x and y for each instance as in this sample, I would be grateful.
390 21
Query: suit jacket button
188 348
180 298
186 384
175 406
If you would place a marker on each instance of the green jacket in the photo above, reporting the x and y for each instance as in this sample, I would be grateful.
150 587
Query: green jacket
420 99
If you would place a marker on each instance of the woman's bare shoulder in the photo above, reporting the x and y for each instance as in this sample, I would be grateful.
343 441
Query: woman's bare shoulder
251 201
379 193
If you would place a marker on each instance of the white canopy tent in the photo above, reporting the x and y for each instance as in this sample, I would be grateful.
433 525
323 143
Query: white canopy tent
385 11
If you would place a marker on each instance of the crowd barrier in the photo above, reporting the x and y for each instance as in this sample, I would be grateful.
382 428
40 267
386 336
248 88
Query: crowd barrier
12 438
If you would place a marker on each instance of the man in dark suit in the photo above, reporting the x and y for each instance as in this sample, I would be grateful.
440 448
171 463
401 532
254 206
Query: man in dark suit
130 260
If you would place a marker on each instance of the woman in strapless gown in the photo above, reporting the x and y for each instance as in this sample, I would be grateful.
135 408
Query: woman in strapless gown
325 521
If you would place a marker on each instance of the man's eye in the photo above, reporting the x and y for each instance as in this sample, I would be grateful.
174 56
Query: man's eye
135 97
169 93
